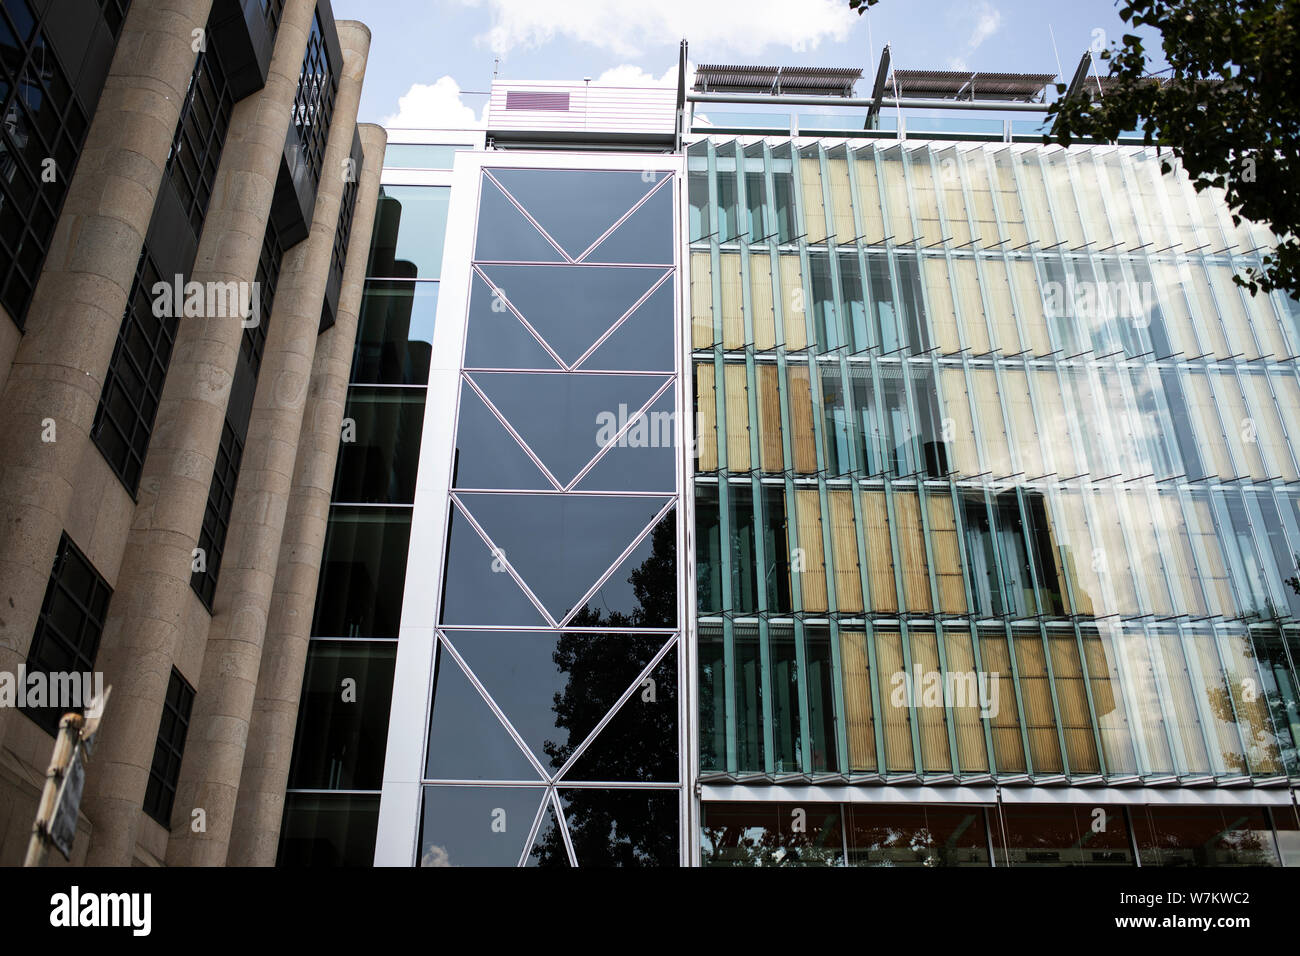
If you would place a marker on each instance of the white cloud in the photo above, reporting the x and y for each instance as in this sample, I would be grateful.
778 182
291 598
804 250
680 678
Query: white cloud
435 106
744 27
628 74
987 20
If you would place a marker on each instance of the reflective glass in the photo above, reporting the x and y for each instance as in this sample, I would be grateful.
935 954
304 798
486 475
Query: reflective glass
322 830
568 419
554 688
395 332
505 234
571 306
466 739
625 828
346 693
560 544
900 835
477 826
479 588
576 206
1083 835
380 450
363 571
409 232
771 834
640 741
487 455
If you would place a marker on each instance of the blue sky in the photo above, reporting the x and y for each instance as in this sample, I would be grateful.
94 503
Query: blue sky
427 54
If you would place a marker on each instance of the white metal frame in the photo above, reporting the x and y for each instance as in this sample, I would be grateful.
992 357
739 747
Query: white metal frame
397 839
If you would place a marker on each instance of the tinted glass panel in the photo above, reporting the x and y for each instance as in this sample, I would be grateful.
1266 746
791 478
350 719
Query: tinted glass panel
477 826
620 827
395 332
421 155
328 830
413 219
343 716
381 446
363 571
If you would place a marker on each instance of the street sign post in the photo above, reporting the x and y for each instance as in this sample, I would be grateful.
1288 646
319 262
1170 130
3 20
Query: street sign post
56 814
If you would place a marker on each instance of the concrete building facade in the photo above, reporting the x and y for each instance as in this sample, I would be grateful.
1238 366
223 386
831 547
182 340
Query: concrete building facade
187 200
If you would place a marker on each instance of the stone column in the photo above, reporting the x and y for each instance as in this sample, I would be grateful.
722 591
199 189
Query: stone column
260 807
223 708
153 597
72 324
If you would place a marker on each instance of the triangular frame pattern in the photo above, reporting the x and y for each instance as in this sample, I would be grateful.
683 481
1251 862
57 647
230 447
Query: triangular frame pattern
664 386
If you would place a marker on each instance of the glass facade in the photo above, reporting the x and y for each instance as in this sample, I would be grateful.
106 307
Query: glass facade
332 809
994 475
555 721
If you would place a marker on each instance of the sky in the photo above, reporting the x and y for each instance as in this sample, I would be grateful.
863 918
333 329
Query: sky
429 57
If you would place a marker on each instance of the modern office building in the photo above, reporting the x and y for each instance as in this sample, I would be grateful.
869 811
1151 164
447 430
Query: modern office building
829 483
185 211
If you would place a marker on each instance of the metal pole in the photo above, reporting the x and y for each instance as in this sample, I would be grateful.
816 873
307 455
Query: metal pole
64 747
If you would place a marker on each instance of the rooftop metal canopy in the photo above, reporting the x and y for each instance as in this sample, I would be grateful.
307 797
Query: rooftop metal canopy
957 85
818 81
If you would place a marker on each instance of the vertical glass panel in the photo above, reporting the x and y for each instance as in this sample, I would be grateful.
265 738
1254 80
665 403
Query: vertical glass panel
814 211
702 332
1036 698
410 233
706 419
821 702
786 720
880 556
776 549
363 572
749 701
771 451
733 311
812 577
708 550
892 681
395 332
729 222
1004 716
713 699
321 830
859 720
971 700
744 565
697 188
344 747
380 450
783 194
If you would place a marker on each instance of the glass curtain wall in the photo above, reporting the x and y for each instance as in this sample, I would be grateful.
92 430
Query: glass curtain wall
332 804
554 728
995 473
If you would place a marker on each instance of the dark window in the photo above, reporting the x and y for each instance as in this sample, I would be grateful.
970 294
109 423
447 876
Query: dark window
200 136
216 516
44 120
169 749
268 276
67 632
344 230
134 381
313 105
